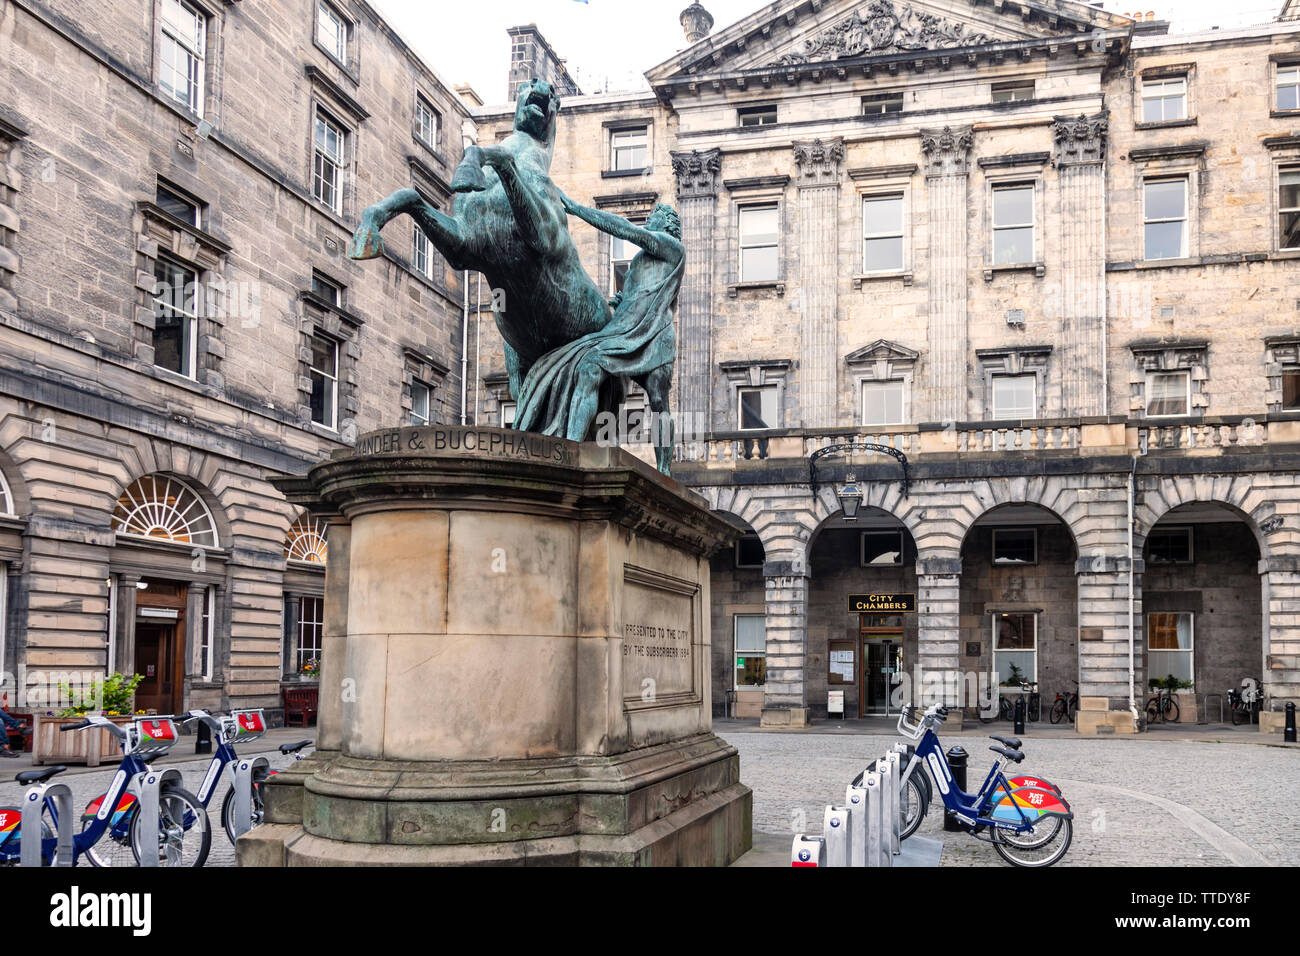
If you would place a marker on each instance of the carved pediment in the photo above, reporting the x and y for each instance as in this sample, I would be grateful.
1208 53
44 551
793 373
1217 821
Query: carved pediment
882 27
882 350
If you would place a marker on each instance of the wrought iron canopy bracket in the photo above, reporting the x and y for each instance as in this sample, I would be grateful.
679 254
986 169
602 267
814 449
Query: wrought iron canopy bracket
849 448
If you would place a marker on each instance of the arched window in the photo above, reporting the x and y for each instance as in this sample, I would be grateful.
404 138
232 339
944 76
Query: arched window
306 540
158 506
6 497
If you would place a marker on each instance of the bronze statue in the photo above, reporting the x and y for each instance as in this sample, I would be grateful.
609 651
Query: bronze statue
566 349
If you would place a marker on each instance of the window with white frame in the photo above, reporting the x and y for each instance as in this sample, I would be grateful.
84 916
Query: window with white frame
882 548
1164 100
1169 546
171 201
757 408
882 403
1015 397
750 645
175 332
880 104
330 141
759 243
1170 645
6 497
311 631
1015 647
1288 207
207 622
428 123
1168 394
4 617
327 289
1164 208
1288 88
182 51
882 234
1013 224
629 149
1291 389
1015 546
332 32
757 116
621 254
324 380
508 410
422 257
1013 91
421 402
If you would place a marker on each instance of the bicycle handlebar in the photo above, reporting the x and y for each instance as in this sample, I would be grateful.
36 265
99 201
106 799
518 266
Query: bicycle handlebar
81 726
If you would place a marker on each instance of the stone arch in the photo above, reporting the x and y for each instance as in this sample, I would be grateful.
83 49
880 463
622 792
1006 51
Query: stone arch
14 499
1051 493
1237 493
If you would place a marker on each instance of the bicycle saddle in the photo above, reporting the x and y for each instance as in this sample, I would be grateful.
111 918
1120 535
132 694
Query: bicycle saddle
1012 742
1015 756
293 748
39 776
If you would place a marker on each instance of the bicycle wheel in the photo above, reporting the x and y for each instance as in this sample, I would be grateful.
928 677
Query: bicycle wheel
1239 714
1034 711
915 802
1030 849
1171 710
16 845
228 810
184 831
1004 708
1058 711
114 845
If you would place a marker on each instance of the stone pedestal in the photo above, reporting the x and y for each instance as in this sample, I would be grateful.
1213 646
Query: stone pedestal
525 672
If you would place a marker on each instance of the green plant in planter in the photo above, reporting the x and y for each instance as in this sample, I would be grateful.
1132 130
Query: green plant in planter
1169 683
1015 678
113 695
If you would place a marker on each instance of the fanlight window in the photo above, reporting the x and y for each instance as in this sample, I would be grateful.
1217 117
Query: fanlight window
306 540
6 499
157 506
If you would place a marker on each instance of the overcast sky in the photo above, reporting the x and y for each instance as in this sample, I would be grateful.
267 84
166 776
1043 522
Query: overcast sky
613 42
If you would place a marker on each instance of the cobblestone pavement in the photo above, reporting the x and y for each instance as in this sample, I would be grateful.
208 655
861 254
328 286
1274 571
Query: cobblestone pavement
86 785
1141 802
1137 802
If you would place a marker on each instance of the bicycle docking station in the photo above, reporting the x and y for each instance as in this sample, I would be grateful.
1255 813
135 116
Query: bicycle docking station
32 837
866 830
149 786
246 772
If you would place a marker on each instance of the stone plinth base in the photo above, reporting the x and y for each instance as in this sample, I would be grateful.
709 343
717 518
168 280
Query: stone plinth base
524 673
1099 722
1272 721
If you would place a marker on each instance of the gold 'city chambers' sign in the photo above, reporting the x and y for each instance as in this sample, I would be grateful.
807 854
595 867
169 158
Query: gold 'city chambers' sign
882 603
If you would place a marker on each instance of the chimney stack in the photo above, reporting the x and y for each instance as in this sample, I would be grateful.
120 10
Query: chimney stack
696 22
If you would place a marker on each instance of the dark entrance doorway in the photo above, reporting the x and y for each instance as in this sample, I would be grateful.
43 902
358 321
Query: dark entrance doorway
882 663
160 647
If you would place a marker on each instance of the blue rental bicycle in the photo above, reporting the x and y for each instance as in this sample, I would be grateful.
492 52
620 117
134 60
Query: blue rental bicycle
239 727
1025 818
110 832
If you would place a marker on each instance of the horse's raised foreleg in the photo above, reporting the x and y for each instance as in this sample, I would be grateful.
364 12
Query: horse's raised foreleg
443 231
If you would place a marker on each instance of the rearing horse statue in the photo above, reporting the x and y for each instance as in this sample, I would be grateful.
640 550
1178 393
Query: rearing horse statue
510 224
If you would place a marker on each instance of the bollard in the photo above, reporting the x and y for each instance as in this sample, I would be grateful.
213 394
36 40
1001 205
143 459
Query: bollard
1020 716
877 842
855 798
203 739
1288 732
957 760
808 851
837 832
896 805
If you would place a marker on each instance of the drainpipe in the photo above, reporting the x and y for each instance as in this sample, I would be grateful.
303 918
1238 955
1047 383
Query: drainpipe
1132 669
464 348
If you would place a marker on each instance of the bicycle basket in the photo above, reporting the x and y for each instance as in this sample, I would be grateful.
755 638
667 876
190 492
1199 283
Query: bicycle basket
245 725
151 736
913 731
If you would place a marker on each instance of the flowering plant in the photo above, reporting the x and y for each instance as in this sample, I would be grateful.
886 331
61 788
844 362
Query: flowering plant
310 668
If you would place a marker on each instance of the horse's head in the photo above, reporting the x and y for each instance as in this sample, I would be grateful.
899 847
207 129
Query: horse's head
536 110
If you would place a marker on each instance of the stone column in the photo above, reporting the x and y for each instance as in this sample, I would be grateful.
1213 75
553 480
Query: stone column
124 626
336 688
818 163
1280 586
947 166
1080 158
785 702
698 176
1104 617
937 672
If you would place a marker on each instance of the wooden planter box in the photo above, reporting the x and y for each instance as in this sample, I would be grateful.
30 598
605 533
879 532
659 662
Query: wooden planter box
51 745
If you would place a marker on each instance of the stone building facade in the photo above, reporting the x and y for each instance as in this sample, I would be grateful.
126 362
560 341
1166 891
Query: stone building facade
1043 255
179 322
